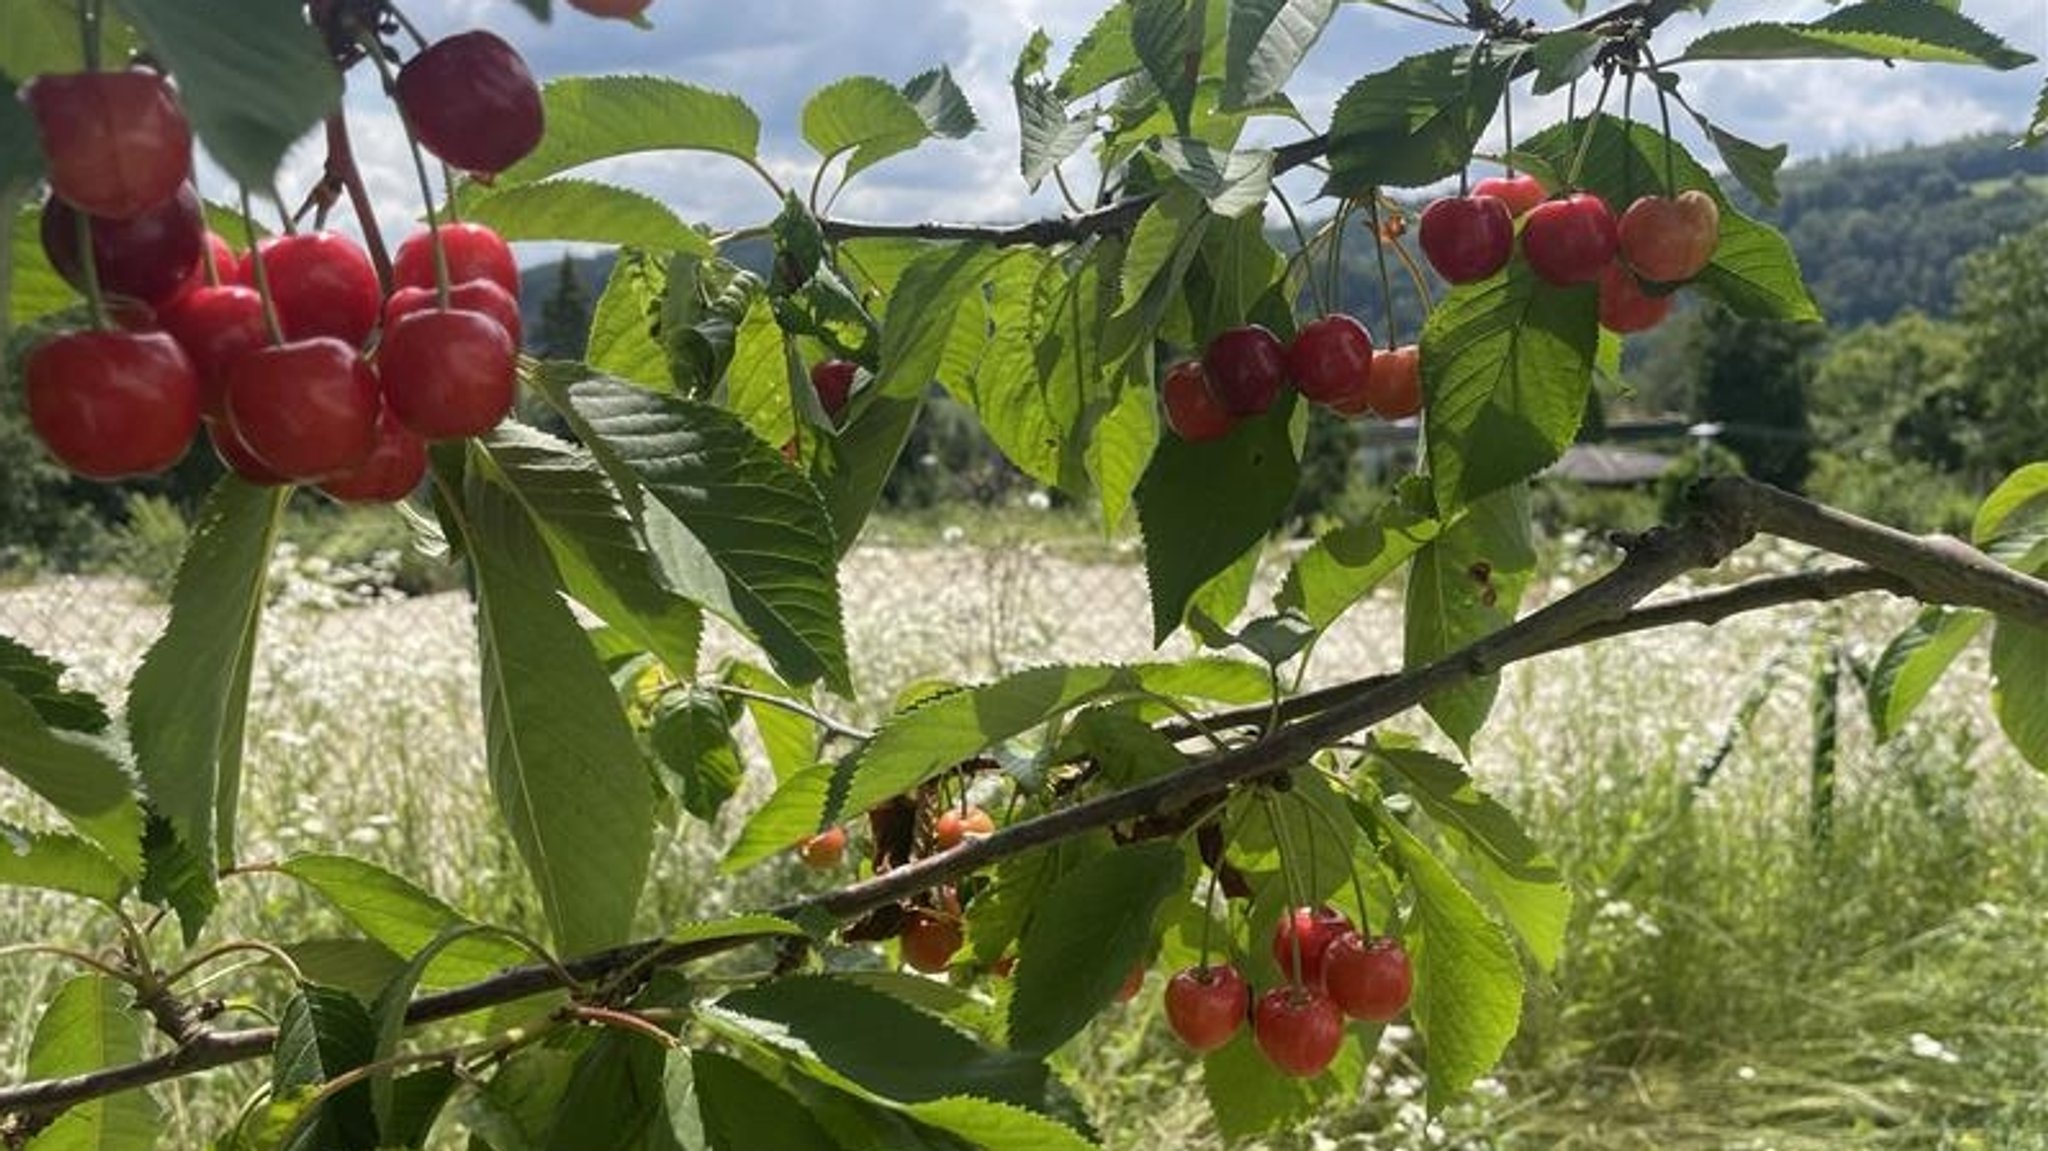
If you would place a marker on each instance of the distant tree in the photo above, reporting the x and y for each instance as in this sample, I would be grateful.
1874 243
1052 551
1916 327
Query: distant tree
565 318
1752 377
2004 294
1901 390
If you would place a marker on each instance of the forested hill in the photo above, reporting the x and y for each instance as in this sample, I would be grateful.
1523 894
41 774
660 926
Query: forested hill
1876 233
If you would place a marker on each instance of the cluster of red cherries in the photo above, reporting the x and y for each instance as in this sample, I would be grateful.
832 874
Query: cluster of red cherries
303 367
1638 261
1331 361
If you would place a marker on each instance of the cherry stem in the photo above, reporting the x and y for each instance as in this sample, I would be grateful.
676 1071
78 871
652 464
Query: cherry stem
1415 273
1379 236
1335 272
1592 129
1664 114
1628 153
89 34
1209 908
1287 879
411 29
1315 290
262 274
342 166
1507 111
375 51
88 267
1350 864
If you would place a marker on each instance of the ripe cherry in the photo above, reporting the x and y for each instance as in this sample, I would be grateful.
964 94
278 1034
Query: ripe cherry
215 326
823 851
234 455
1467 238
392 472
833 381
322 284
449 374
1246 367
1569 241
929 940
1331 360
1193 409
469 295
1395 391
1206 1005
227 263
471 101
1298 1029
306 409
117 142
110 405
614 9
474 253
1519 193
1368 979
149 256
1316 928
954 826
1669 241
1624 305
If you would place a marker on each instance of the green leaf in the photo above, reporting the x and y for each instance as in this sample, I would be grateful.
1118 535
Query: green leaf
21 153
1232 183
571 209
790 740
605 564
82 776
998 1126
250 96
1346 564
1506 367
860 1038
564 767
88 1027
1249 1099
324 1033
1020 885
593 118
737 927
1202 505
920 743
615 1096
1104 56
1914 662
736 1108
402 918
692 739
38 36
941 104
875 120
1754 166
795 811
624 325
760 523
187 704
1091 929
54 861
1415 123
1464 586
1874 30
1267 40
2037 131
2019 663
1468 983
360 967
1164 33
389 1013
1524 882
1047 135
2023 494
1562 57
39 680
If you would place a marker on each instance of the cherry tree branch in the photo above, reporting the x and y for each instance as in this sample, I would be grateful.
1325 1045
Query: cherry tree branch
1727 514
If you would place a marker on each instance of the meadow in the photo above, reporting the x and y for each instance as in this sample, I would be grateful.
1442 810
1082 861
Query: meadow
1736 977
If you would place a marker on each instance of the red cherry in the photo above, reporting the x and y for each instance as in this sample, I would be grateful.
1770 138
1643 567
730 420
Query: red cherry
391 473
1331 360
1246 368
149 256
1669 241
929 940
1206 1005
1317 928
449 374
613 9
227 263
215 326
110 405
953 826
474 253
306 409
322 284
833 381
236 456
470 296
1368 979
1467 238
823 851
1395 391
1569 241
116 142
1298 1029
1193 409
1519 193
472 102
1624 305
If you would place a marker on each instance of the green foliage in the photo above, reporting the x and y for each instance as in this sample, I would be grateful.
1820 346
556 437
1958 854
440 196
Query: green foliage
1091 929
87 1026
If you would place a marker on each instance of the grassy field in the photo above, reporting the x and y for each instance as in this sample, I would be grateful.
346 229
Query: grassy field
1732 981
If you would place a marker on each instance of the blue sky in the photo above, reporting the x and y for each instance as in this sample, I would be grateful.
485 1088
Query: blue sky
773 53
